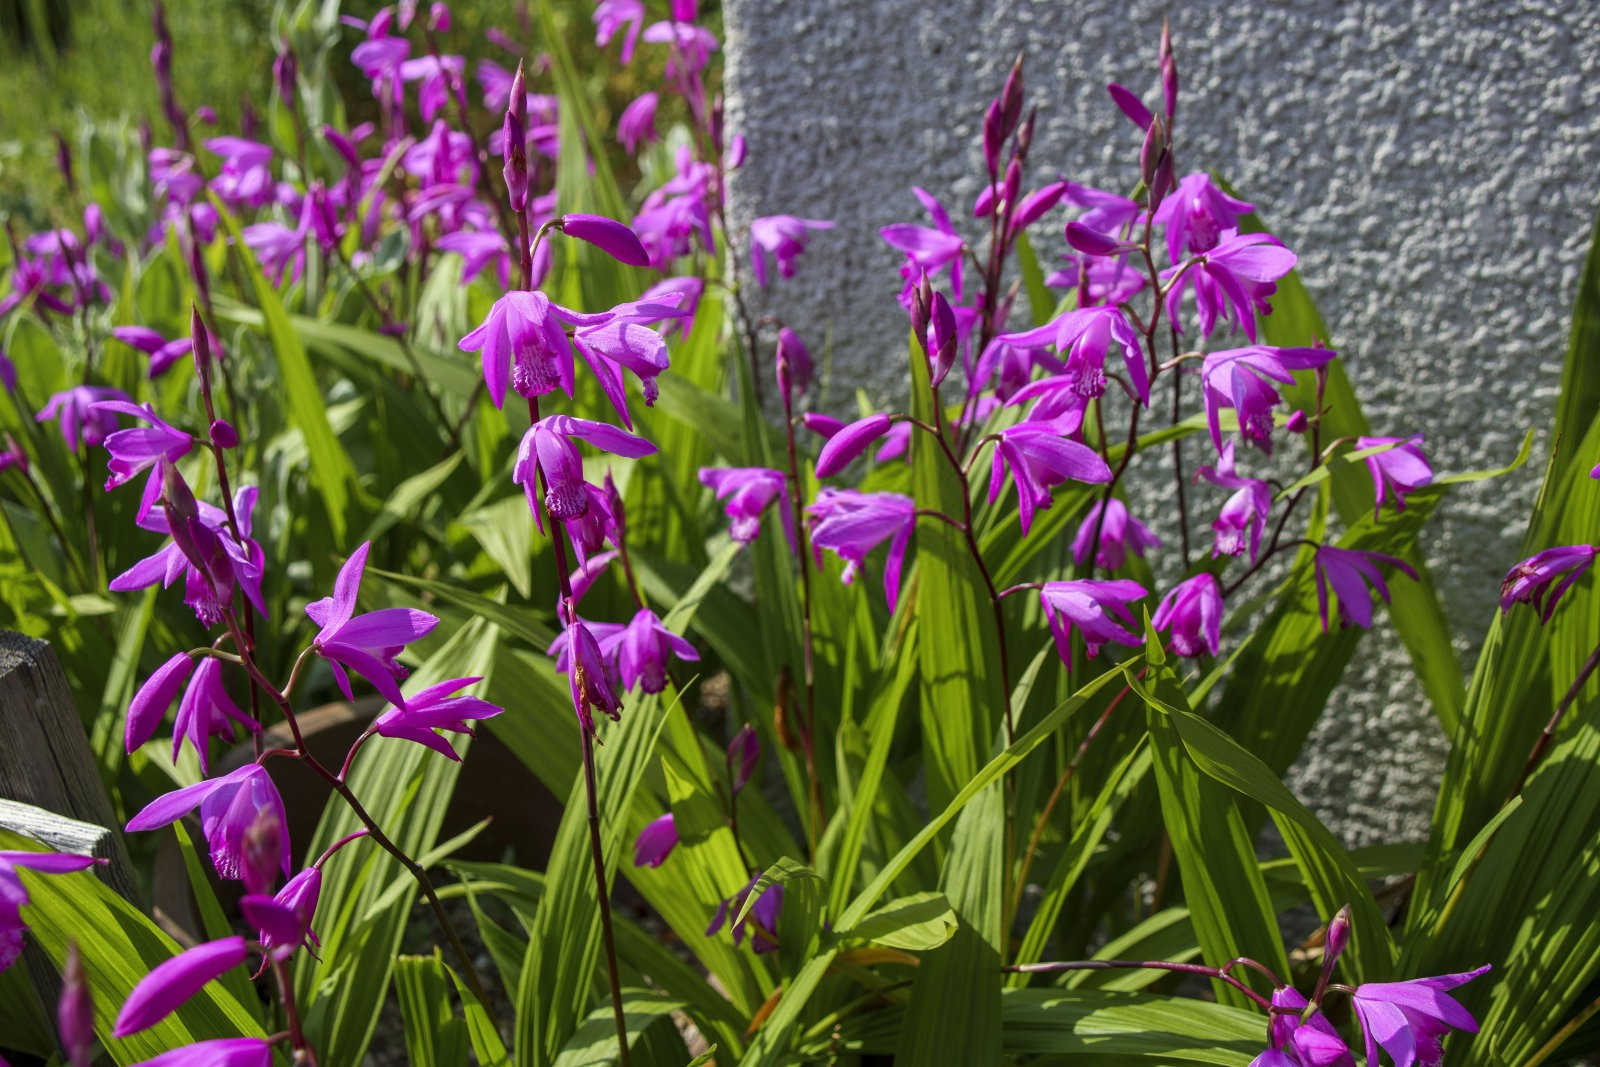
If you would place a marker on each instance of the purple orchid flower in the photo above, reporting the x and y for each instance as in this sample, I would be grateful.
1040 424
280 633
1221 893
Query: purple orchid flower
1398 471
642 651
245 563
1192 612
1038 457
478 249
637 123
172 982
1120 533
79 414
245 179
435 709
549 446
1240 378
1349 572
1313 1043
438 75
785 238
1105 212
1244 514
142 447
616 346
367 643
1542 579
221 1052
283 921
229 806
678 212
75 1011
1098 609
522 340
1196 214
1083 337
765 912
747 492
852 523
1410 1019
656 842
928 250
793 367
610 16
162 352
14 895
1232 281
589 677
691 46
206 711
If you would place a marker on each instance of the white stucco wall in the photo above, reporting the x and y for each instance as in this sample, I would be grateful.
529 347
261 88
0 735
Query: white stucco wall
1435 165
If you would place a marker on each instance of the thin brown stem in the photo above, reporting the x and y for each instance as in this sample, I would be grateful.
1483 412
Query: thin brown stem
603 893
802 549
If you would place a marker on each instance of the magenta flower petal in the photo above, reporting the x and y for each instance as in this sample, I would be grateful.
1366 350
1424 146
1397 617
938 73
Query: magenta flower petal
852 524
149 705
1398 471
171 983
1098 610
743 752
1348 572
1542 579
1192 613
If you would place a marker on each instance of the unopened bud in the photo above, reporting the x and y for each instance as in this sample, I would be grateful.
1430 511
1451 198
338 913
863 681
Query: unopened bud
684 10
743 751
75 1010
1163 181
1025 135
921 301
794 365
223 435
514 143
285 72
1297 421
1092 242
941 343
64 161
201 344
1155 142
439 17
1013 184
1337 938
1169 72
1011 99
993 139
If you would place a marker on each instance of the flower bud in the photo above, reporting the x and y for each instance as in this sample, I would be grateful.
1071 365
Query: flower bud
1025 134
921 301
1010 99
439 17
619 513
684 10
794 365
849 442
1013 184
1163 181
514 143
743 751
1297 421
738 150
1092 242
223 435
201 346
64 161
824 426
941 342
285 71
1169 72
608 235
992 138
75 1010
1155 142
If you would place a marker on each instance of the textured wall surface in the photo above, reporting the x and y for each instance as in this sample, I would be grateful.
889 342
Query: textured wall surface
1435 165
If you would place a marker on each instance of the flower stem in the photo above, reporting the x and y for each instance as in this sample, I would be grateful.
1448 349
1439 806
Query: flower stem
814 787
603 895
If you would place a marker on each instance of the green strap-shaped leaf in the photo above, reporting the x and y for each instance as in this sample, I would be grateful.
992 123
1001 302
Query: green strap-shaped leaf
1228 900
331 469
435 1037
119 946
